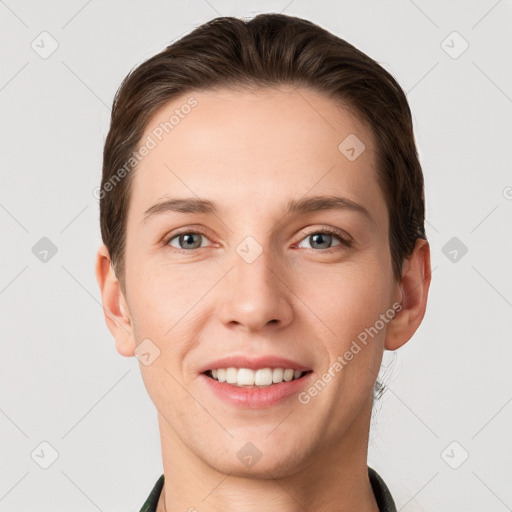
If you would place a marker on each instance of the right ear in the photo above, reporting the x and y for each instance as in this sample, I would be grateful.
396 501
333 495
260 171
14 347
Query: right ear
115 307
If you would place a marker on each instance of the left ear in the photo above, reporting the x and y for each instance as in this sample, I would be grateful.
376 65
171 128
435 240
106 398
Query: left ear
415 283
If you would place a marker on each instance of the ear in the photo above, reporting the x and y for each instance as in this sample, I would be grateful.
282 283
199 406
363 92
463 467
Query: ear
115 307
415 283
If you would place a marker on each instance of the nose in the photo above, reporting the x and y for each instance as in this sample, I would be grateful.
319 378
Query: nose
255 295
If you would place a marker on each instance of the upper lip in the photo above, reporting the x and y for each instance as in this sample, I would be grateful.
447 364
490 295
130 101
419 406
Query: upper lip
254 363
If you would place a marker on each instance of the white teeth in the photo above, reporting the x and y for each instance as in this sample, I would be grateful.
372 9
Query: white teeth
260 377
277 375
288 375
231 374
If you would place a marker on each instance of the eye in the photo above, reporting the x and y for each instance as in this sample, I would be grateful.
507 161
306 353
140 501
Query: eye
189 240
325 239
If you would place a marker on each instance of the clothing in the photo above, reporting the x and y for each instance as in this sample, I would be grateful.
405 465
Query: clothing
380 490
382 493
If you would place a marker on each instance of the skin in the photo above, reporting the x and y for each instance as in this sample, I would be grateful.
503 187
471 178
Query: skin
250 153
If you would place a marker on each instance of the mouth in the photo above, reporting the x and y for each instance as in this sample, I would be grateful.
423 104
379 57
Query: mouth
255 388
260 378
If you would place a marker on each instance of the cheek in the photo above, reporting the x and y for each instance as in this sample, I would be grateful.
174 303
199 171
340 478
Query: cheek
168 303
347 300
165 309
161 294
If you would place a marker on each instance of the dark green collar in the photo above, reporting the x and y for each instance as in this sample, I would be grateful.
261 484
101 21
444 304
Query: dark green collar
152 501
380 490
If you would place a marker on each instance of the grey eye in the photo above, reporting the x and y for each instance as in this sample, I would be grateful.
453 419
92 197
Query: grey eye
187 241
321 240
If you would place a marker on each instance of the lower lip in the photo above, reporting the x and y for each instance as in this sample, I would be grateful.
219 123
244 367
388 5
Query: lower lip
256 398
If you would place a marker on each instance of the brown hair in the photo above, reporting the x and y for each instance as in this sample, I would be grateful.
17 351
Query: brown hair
269 50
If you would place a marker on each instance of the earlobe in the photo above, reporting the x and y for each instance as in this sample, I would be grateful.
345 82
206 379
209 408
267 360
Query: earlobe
415 283
115 307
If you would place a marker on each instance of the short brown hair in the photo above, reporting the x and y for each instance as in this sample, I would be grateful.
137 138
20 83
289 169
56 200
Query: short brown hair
268 50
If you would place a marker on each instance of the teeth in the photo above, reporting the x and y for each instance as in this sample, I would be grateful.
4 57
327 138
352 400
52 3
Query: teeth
262 377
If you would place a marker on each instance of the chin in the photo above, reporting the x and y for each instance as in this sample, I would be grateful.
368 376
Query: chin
256 458
277 467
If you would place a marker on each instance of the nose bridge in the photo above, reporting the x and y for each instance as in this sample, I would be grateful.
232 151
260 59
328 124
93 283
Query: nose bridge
254 294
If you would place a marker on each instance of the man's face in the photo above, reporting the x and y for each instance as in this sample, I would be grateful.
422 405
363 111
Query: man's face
252 279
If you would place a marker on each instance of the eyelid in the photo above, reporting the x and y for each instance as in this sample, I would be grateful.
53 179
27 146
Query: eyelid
186 230
329 229
345 238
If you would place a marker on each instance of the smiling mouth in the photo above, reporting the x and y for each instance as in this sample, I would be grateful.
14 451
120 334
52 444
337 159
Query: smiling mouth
262 378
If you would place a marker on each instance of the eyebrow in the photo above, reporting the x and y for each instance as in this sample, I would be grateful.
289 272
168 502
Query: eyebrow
294 206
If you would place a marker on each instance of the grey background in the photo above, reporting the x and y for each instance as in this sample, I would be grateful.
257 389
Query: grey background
62 381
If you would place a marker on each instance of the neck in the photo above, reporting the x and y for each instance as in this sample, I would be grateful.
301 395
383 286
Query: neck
334 478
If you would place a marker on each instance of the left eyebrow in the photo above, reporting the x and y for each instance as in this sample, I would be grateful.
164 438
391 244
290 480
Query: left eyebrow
295 206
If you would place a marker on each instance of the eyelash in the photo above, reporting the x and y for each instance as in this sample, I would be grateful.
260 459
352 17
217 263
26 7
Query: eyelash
325 231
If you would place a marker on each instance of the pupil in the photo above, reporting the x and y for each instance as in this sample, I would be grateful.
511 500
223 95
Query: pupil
315 236
188 239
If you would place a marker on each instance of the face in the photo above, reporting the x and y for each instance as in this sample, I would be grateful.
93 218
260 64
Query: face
265 266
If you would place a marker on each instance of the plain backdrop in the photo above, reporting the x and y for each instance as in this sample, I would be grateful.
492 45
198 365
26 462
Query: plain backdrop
441 432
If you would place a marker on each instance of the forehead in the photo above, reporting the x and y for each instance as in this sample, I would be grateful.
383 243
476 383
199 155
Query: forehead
235 146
